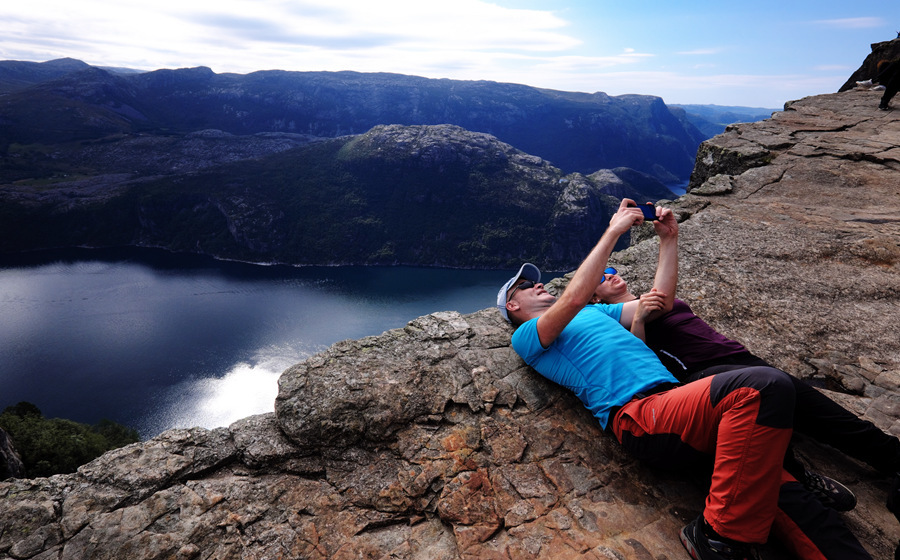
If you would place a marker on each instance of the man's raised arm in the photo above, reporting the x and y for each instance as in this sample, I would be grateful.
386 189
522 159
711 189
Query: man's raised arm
580 289
666 280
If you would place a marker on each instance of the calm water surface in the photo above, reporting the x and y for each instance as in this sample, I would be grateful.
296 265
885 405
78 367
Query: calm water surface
157 341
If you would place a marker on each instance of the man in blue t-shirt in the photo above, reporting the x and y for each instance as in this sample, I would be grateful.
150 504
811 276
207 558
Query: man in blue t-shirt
739 420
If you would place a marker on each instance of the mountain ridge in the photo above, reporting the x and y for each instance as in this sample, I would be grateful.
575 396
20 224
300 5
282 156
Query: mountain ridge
390 196
576 131
78 138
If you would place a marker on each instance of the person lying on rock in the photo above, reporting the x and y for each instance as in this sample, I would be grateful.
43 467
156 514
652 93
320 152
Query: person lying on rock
691 349
740 421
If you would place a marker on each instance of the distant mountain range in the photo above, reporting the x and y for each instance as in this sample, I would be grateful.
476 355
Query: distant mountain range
323 167
711 120
66 100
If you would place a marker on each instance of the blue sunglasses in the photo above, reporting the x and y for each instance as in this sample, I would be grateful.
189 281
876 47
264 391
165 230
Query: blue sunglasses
609 270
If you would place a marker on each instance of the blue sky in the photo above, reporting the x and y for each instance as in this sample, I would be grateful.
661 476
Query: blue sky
757 54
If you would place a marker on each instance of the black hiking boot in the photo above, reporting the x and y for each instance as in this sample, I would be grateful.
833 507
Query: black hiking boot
830 492
701 547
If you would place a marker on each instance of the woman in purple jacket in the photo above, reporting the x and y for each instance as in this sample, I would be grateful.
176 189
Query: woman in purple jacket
691 349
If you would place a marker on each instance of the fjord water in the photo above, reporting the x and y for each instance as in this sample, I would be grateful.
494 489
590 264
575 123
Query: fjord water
155 341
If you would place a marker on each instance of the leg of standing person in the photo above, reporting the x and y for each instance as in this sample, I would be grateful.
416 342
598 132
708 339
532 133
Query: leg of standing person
891 87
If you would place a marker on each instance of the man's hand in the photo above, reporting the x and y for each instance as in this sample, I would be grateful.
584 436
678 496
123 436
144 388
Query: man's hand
627 216
580 289
666 226
654 300
649 306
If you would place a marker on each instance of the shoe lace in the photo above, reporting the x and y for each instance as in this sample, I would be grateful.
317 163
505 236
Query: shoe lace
817 483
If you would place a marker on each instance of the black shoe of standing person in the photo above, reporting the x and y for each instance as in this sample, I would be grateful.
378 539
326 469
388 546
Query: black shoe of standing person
829 491
701 546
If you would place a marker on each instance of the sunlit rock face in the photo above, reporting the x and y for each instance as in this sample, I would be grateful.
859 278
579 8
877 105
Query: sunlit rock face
436 441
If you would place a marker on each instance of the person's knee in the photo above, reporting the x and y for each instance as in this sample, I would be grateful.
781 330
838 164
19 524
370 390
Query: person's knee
772 379
774 388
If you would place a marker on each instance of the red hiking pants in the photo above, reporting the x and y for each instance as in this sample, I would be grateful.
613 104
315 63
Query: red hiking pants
742 418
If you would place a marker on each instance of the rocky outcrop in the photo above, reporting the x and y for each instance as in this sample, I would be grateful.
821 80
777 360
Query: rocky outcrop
436 441
11 465
432 441
793 239
868 70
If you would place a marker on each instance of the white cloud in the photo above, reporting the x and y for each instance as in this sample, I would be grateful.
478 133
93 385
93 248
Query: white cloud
750 90
700 52
459 39
248 35
852 23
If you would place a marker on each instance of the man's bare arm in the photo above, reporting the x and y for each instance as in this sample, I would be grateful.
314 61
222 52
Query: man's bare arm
580 289
648 303
666 279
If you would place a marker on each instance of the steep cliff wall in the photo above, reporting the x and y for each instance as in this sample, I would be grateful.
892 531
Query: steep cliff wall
391 196
436 441
10 461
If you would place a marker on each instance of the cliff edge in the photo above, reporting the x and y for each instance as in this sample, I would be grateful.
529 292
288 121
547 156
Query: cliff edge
436 441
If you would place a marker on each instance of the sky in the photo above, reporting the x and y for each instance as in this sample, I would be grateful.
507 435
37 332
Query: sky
752 54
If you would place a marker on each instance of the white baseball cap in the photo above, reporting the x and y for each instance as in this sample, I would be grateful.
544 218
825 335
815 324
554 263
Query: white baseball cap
528 272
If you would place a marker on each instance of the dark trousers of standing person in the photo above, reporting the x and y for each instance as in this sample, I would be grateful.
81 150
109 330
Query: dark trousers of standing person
890 79
819 417
741 421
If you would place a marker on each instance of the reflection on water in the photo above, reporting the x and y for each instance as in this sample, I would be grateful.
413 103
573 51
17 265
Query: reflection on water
246 389
155 340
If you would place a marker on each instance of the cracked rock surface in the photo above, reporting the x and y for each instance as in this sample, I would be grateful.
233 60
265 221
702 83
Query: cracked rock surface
435 441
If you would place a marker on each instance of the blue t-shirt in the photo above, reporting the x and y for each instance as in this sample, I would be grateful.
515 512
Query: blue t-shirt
595 357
